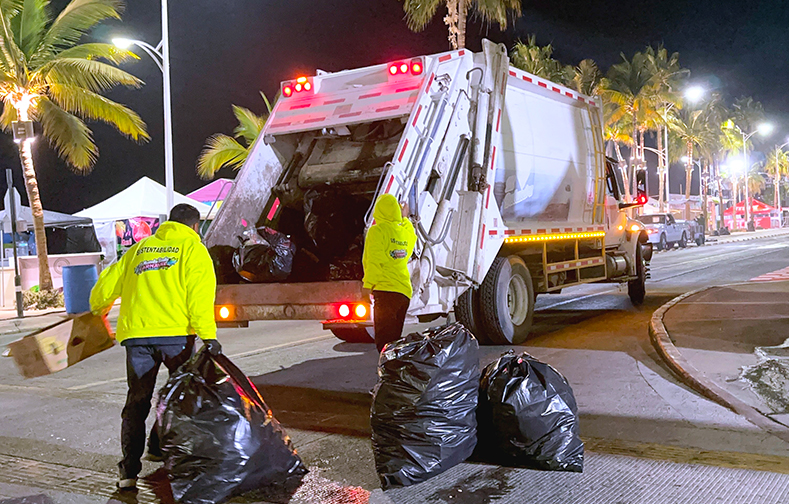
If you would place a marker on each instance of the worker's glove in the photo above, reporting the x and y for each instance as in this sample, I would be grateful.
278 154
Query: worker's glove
212 346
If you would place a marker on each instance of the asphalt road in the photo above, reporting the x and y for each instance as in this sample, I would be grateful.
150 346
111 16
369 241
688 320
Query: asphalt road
632 409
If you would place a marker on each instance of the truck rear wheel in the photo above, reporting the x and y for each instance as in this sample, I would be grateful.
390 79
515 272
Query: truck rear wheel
467 313
507 301
355 334
637 288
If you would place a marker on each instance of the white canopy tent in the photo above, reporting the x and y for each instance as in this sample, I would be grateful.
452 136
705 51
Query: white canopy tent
144 198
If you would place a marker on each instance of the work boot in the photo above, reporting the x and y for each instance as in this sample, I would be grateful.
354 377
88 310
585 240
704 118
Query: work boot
125 483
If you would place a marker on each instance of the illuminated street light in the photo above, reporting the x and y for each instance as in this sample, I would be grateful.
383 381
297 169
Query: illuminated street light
694 93
763 129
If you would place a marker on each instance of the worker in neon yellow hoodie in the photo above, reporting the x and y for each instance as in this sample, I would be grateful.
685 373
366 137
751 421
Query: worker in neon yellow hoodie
387 247
167 284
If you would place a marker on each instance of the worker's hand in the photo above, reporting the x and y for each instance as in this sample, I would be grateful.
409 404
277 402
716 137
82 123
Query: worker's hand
405 211
366 294
212 346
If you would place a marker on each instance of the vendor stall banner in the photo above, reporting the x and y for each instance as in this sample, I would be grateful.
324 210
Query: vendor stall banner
131 231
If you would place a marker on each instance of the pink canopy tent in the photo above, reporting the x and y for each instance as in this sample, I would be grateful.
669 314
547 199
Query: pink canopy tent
215 191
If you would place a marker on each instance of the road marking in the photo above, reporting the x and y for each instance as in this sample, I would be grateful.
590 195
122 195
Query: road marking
773 276
573 300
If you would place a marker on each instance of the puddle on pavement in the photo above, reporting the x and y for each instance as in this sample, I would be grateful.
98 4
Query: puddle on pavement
769 379
477 488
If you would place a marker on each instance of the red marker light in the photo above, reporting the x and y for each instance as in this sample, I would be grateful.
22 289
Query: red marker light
403 68
301 80
307 86
344 310
287 90
298 88
416 68
393 69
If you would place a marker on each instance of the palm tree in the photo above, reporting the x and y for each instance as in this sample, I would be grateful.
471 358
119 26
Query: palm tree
693 129
47 76
667 76
538 60
777 165
222 151
418 14
587 78
626 88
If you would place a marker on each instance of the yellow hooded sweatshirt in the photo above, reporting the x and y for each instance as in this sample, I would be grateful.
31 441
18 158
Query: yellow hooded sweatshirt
387 248
166 283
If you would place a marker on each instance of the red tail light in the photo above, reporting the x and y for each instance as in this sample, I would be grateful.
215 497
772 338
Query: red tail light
344 310
416 67
642 199
393 69
287 91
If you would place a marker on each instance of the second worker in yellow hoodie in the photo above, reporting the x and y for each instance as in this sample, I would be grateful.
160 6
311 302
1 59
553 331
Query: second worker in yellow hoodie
388 246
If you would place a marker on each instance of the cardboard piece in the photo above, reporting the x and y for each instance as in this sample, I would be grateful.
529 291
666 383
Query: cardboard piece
61 345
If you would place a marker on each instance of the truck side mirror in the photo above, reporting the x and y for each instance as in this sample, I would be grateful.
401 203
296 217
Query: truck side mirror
641 197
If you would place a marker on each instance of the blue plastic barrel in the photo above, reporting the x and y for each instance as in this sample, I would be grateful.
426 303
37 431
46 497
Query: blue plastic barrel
78 280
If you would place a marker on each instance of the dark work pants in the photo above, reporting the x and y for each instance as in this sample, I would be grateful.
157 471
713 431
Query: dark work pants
389 317
142 365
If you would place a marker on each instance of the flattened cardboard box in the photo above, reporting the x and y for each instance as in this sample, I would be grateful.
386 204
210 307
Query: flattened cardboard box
61 345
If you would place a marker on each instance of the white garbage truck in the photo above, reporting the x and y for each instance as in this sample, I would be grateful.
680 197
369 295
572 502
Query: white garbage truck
506 178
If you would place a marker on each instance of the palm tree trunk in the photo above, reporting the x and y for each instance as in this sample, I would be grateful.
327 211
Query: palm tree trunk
688 178
31 183
661 170
462 12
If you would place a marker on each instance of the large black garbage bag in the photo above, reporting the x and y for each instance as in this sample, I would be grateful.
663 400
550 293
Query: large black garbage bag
268 259
222 257
422 414
527 416
219 438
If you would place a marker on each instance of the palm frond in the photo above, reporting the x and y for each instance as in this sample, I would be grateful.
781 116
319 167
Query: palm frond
265 100
220 151
249 124
70 137
90 74
498 10
9 115
76 19
418 13
11 56
94 50
32 24
90 105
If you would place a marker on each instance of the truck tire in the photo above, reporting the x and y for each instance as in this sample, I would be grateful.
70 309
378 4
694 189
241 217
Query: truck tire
506 301
663 244
467 313
683 242
636 288
355 334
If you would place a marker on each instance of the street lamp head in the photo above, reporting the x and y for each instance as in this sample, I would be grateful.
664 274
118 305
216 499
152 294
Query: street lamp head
765 129
694 93
684 159
122 43
736 165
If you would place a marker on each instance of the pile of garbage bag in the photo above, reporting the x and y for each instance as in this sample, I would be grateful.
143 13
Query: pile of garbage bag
527 416
422 415
333 221
265 255
218 436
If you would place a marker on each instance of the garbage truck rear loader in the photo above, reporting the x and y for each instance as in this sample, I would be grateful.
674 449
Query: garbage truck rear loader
504 172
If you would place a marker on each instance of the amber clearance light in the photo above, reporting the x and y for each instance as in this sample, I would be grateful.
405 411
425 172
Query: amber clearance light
224 312
552 237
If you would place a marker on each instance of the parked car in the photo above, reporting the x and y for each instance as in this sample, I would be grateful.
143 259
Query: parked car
664 231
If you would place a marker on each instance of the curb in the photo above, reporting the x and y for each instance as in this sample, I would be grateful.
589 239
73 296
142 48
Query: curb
736 240
696 380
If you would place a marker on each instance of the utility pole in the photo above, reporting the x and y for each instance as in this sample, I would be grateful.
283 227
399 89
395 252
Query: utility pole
17 278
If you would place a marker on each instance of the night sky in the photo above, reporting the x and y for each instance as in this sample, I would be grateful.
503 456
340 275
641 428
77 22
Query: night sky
225 52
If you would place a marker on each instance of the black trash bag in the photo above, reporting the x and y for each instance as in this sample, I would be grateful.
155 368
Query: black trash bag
527 416
333 221
222 257
348 267
218 437
422 414
269 260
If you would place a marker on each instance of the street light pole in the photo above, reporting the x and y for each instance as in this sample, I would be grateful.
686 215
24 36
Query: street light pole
161 56
168 120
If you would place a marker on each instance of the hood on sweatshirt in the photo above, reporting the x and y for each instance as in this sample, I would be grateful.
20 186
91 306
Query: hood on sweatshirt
387 209
170 230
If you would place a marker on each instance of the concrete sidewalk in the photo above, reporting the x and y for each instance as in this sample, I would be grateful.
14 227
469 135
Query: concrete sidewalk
731 344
